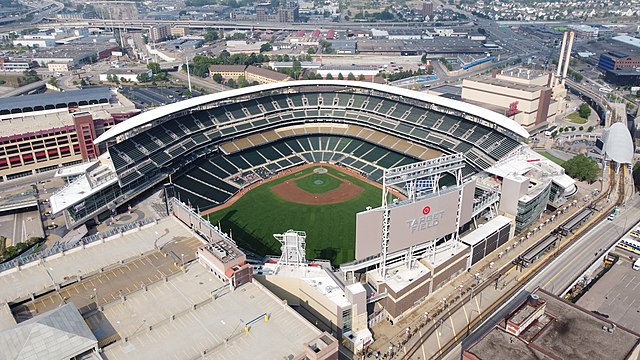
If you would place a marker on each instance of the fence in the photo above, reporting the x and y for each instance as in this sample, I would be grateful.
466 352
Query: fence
60 247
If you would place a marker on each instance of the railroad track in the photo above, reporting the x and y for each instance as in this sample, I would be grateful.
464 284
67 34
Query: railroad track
520 282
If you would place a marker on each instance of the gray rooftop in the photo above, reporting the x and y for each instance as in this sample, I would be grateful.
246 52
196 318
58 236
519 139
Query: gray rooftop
28 103
566 331
58 334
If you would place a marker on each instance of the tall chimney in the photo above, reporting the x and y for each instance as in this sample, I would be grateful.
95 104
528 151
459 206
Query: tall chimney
568 58
559 71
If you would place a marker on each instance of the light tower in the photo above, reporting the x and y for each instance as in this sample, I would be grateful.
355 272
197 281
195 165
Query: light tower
293 248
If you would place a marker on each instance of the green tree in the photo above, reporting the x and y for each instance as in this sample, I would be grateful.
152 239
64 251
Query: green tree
84 82
211 36
242 82
217 78
329 76
53 81
636 175
582 168
361 77
311 50
590 129
144 77
351 77
154 67
187 93
340 77
232 83
266 47
581 128
584 111
424 58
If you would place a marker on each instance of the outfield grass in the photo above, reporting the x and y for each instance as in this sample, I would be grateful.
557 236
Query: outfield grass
259 214
556 160
575 118
308 183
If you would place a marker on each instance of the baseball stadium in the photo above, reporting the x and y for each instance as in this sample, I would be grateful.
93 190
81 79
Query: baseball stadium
218 147
377 177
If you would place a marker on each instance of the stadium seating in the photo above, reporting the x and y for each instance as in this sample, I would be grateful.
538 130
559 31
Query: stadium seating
370 125
212 180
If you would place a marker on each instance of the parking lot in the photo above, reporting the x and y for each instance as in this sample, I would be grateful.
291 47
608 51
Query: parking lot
616 295
120 281
149 97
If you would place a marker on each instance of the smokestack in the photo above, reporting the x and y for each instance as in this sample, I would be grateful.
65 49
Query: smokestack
568 58
559 71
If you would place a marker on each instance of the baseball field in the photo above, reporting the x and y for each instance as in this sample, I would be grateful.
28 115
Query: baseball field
322 201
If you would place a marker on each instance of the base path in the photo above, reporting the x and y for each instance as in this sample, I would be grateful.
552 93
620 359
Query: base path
289 191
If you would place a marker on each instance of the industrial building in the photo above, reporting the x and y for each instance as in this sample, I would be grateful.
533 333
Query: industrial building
522 94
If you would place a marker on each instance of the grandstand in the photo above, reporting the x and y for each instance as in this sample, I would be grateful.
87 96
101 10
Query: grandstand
218 143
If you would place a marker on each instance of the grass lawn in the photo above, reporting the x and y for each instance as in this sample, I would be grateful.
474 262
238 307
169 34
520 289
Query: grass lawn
551 157
575 118
330 229
318 183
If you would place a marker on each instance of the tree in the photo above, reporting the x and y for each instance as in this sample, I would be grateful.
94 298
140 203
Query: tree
329 76
584 111
636 175
211 36
351 77
217 78
186 93
340 77
590 129
311 50
154 67
143 77
266 47
242 82
53 81
83 82
581 128
232 83
582 168
361 77
424 58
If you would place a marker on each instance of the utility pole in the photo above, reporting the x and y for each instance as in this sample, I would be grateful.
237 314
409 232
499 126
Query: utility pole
186 60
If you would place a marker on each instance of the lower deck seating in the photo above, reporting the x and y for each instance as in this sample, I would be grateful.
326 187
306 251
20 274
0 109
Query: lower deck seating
213 181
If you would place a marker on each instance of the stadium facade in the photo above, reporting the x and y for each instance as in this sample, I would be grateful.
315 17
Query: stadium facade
470 181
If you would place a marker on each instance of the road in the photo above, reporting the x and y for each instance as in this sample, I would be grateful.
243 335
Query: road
205 83
562 272
23 89
454 323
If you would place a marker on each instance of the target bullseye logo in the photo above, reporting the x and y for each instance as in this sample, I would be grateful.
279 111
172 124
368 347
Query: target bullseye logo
426 210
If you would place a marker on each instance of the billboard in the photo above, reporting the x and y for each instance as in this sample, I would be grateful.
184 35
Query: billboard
422 221
414 223
368 233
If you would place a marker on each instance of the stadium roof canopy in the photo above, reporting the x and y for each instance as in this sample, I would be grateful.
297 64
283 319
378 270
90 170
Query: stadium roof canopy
618 145
149 116
27 103
58 334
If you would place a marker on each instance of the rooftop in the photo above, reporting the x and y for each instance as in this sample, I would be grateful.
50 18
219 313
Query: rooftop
314 276
565 331
58 334
217 325
506 84
633 41
55 100
162 111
